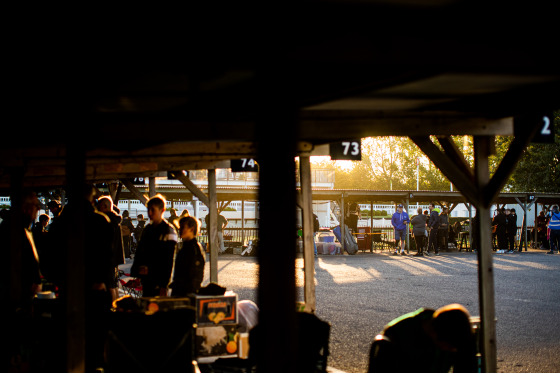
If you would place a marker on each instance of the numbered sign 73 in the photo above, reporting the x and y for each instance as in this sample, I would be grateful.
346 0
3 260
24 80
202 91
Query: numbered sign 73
346 150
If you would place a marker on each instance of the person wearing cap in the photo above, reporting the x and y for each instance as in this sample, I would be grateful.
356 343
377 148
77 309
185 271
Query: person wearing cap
400 221
554 226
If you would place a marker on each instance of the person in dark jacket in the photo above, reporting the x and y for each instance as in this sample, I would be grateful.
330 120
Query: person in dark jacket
99 271
105 206
439 341
443 229
153 261
28 273
127 230
20 281
40 233
500 222
433 225
419 231
511 228
137 233
188 264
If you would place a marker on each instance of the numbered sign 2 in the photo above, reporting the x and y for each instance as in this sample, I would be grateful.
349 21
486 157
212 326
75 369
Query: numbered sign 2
545 134
244 164
346 150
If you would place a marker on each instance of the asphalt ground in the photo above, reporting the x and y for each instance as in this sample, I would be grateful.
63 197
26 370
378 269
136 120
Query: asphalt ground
359 294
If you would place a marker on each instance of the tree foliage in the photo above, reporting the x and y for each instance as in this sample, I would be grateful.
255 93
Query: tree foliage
390 163
538 169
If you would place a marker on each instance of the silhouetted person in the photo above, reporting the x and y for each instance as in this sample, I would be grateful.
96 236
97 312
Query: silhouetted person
105 206
443 229
426 341
433 225
419 231
222 224
40 233
55 207
511 228
20 281
139 228
127 228
99 270
500 222
188 262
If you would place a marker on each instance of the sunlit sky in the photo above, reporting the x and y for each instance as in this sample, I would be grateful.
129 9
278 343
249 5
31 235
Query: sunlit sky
343 164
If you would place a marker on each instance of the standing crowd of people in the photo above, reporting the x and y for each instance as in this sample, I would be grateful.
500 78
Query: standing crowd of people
504 228
166 263
432 230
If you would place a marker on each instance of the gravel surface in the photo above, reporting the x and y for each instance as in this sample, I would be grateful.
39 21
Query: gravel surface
359 294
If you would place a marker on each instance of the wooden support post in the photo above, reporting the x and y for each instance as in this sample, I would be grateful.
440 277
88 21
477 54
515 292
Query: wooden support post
242 222
525 208
114 191
308 252
371 218
135 191
15 237
213 223
469 206
407 226
536 233
152 187
525 224
342 227
75 298
193 188
485 253
276 141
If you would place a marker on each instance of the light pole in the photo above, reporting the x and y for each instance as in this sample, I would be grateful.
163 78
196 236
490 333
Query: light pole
417 173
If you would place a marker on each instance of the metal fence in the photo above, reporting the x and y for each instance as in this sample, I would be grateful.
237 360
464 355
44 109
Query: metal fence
233 235
243 235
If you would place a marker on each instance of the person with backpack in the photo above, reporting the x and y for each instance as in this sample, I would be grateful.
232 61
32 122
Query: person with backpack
554 226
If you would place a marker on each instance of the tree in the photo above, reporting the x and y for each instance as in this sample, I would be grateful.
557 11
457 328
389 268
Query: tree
538 170
391 163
